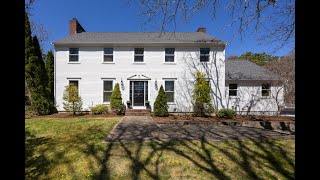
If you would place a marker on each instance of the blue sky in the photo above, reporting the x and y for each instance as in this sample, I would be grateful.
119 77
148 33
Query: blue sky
117 16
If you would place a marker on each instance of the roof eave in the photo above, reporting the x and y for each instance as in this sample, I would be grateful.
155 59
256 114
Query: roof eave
102 43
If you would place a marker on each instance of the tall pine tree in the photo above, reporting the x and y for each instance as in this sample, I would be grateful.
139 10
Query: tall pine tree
50 71
34 72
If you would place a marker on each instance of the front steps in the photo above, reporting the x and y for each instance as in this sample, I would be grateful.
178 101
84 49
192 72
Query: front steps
138 112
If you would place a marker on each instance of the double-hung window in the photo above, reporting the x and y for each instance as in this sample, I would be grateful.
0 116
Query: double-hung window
169 57
138 54
204 54
73 54
74 83
169 89
108 55
266 88
107 90
233 89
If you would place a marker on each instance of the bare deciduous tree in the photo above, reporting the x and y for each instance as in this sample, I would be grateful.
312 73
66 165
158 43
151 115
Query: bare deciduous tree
285 68
37 28
274 20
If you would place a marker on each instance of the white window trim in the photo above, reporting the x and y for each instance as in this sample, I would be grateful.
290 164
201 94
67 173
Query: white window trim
73 62
174 56
108 54
75 79
113 84
134 55
208 55
174 88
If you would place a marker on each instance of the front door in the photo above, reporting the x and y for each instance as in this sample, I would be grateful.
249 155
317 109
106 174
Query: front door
138 93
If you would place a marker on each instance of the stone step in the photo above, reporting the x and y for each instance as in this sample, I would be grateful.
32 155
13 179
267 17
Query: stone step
138 112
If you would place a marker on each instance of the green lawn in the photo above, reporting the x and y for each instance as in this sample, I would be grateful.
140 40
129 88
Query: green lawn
72 148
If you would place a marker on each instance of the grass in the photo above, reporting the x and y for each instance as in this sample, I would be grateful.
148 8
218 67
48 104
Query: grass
72 149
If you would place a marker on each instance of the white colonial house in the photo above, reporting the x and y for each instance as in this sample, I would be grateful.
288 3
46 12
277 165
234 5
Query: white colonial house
143 61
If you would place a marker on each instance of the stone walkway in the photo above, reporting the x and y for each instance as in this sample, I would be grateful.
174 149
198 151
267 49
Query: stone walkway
143 128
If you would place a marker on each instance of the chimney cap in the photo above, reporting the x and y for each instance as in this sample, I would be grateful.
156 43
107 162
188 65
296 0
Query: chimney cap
202 29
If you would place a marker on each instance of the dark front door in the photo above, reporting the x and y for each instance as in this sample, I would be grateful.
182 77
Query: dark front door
138 93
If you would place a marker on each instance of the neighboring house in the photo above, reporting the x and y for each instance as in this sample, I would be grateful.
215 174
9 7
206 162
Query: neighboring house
143 61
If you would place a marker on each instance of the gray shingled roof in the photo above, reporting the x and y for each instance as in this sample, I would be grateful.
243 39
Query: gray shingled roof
246 70
139 37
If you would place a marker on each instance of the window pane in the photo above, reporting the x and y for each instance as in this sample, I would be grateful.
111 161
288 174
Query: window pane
138 50
73 50
108 50
169 50
73 58
265 92
204 58
232 92
138 58
107 85
106 96
204 51
74 83
170 96
108 58
233 86
265 86
169 85
169 59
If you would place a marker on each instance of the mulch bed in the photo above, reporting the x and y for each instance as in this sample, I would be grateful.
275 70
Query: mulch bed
177 118
70 115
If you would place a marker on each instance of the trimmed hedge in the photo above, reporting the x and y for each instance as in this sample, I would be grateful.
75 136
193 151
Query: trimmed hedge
226 113
99 109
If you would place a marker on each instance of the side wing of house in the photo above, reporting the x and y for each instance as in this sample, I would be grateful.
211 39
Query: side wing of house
251 89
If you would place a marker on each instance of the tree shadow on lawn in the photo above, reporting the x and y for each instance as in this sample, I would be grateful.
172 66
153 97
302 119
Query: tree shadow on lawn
268 155
35 161
147 163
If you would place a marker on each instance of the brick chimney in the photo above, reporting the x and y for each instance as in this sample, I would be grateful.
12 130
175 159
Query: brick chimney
202 29
75 27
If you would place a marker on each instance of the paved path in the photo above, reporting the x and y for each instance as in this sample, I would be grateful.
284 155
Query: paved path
143 128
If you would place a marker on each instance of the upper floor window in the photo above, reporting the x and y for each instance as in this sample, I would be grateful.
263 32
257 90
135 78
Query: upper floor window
266 88
169 57
108 55
204 54
107 90
138 54
73 54
233 89
169 89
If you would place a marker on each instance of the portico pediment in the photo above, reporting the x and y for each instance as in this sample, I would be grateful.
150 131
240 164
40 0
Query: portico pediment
139 77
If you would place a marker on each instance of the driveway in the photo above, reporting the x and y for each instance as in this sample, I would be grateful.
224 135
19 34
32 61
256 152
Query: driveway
143 128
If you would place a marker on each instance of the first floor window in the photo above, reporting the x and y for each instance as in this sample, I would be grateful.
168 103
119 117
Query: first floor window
266 89
108 55
204 54
73 54
233 89
107 90
169 89
74 83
